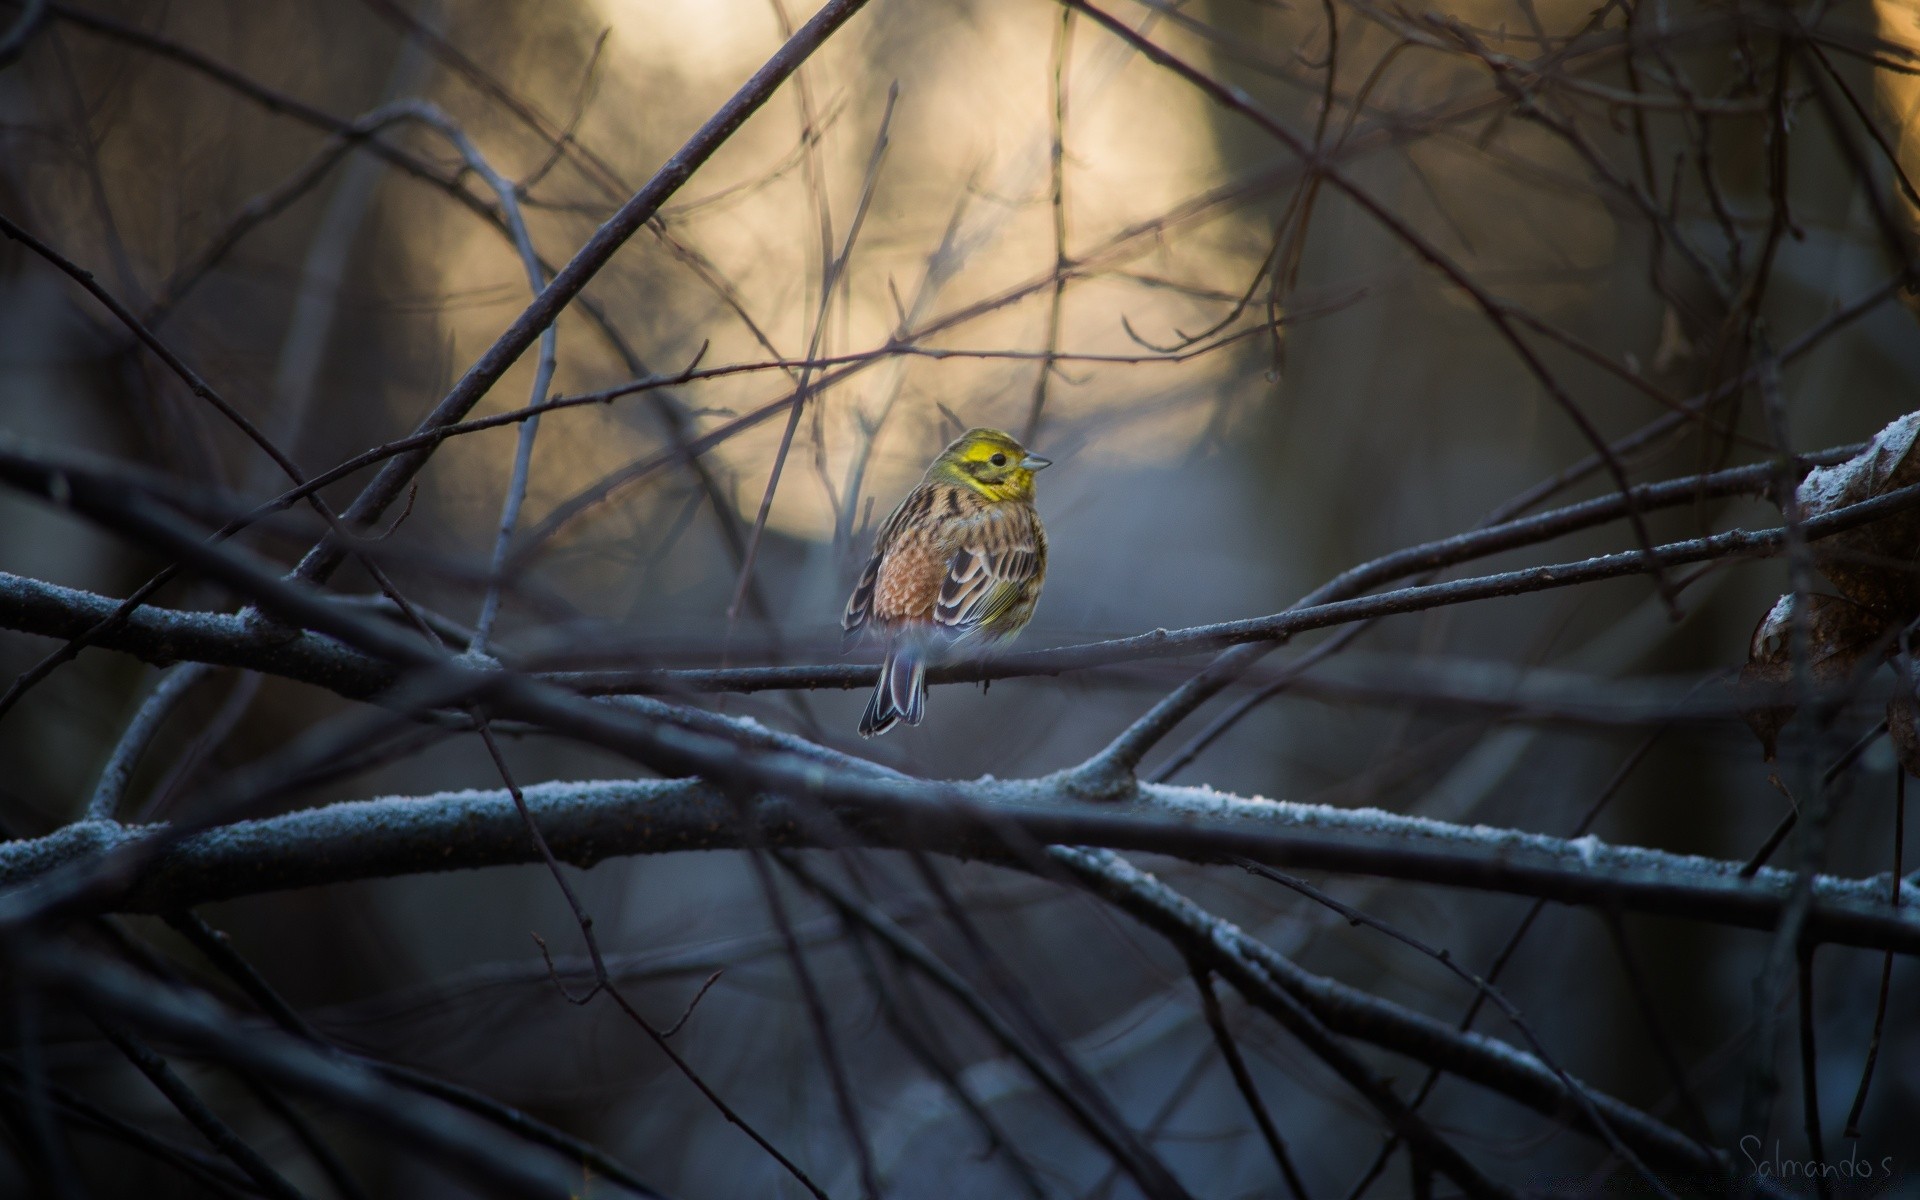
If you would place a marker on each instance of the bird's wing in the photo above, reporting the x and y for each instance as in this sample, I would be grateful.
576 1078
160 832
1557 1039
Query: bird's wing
860 604
985 577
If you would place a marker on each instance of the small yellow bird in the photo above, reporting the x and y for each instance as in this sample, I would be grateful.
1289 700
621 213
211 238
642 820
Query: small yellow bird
959 564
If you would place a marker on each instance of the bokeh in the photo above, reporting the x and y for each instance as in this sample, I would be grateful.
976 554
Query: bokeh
984 212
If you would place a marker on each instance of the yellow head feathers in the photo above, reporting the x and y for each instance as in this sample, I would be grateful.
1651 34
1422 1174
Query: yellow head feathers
990 462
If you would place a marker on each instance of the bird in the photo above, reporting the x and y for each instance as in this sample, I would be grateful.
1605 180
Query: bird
957 567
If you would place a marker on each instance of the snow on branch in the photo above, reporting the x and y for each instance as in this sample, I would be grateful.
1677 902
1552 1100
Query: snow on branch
588 822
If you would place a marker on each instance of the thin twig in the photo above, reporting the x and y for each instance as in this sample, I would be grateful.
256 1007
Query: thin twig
219 950
1507 1008
817 1016
184 1100
1810 1077
603 982
830 280
1057 199
1859 1106
1243 1079
159 704
543 371
1041 1057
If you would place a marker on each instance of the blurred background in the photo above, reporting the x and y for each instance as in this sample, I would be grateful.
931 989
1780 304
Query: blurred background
1248 385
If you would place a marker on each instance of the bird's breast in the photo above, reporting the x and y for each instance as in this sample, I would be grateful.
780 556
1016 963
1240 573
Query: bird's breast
909 581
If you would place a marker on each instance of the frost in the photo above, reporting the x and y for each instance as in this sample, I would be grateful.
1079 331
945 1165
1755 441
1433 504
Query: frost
1589 852
1771 634
313 845
28 859
1823 488
1827 488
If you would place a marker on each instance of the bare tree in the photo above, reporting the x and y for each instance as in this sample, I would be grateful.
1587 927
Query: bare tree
1476 425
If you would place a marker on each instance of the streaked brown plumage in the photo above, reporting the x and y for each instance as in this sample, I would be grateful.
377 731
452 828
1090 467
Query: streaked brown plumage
958 566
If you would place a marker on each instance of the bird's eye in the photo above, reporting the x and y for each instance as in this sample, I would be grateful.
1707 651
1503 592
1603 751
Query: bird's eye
998 460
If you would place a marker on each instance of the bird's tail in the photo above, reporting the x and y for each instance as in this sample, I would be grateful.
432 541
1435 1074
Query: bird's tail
901 693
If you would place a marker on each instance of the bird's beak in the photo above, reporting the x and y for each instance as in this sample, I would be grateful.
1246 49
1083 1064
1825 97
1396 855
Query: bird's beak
1033 462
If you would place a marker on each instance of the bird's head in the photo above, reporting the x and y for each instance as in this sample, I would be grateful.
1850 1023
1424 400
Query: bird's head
991 463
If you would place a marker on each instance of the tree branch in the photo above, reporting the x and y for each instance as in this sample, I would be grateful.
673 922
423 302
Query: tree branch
589 822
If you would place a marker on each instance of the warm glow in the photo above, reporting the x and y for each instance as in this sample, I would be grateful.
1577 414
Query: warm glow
1899 22
1137 144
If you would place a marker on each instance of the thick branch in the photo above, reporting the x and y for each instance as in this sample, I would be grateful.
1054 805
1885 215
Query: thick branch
586 823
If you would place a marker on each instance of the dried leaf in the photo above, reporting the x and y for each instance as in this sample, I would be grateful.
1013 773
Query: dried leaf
1839 634
1874 565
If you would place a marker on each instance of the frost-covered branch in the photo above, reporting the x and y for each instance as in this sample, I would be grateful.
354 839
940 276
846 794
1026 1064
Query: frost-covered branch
589 822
